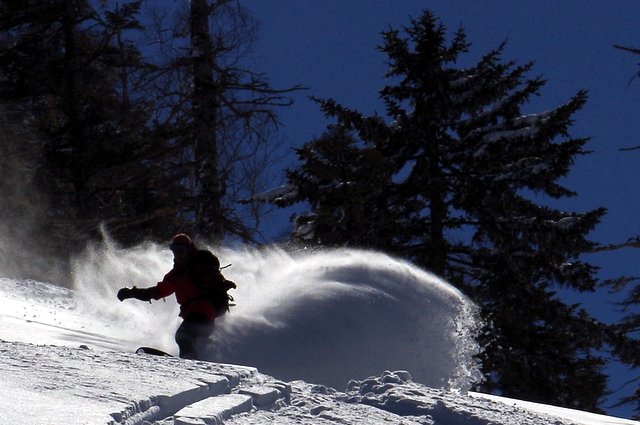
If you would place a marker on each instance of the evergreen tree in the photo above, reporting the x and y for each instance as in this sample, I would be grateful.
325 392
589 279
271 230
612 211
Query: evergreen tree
20 205
67 65
351 203
469 180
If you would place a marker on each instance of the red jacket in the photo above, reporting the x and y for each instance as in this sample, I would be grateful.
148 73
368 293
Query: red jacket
191 298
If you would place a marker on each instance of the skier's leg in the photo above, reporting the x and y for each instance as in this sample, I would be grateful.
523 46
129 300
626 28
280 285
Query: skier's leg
185 341
190 335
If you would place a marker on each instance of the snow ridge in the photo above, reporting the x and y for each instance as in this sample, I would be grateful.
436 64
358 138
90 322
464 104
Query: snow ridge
207 402
157 408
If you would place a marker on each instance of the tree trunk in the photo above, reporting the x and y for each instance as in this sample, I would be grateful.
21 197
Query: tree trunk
437 251
72 109
209 219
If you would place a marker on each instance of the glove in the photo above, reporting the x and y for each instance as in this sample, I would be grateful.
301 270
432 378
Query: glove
142 294
125 293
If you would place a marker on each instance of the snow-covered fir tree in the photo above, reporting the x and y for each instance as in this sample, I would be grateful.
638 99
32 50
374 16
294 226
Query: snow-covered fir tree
459 179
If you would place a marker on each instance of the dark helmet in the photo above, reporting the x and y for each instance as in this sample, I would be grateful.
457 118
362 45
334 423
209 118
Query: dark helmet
181 241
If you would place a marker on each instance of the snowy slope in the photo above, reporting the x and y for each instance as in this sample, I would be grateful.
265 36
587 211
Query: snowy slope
47 378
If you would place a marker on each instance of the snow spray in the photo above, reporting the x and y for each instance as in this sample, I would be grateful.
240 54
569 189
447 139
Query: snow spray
324 317
103 269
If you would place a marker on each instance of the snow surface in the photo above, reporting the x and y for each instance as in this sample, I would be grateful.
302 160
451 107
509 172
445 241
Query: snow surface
347 337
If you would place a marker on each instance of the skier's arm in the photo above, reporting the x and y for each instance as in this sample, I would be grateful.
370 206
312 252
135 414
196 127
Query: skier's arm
161 290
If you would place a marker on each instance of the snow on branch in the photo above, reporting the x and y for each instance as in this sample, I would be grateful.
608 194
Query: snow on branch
526 132
280 194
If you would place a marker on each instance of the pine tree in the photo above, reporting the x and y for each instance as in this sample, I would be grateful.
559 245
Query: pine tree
351 203
68 67
21 207
470 181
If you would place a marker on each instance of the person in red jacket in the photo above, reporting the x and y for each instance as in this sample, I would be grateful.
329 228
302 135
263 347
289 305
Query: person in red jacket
196 308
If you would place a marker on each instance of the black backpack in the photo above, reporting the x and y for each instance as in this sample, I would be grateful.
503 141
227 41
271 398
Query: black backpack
220 298
215 287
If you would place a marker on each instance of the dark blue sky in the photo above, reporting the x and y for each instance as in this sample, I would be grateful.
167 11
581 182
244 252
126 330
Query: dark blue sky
330 47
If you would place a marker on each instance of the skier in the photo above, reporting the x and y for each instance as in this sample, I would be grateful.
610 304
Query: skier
196 308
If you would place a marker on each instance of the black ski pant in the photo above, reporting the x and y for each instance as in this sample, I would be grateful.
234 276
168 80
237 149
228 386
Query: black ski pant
192 334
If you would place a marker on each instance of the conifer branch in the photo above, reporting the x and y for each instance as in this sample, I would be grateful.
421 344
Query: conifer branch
633 242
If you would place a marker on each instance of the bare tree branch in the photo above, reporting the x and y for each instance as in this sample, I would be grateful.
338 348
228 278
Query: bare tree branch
628 49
